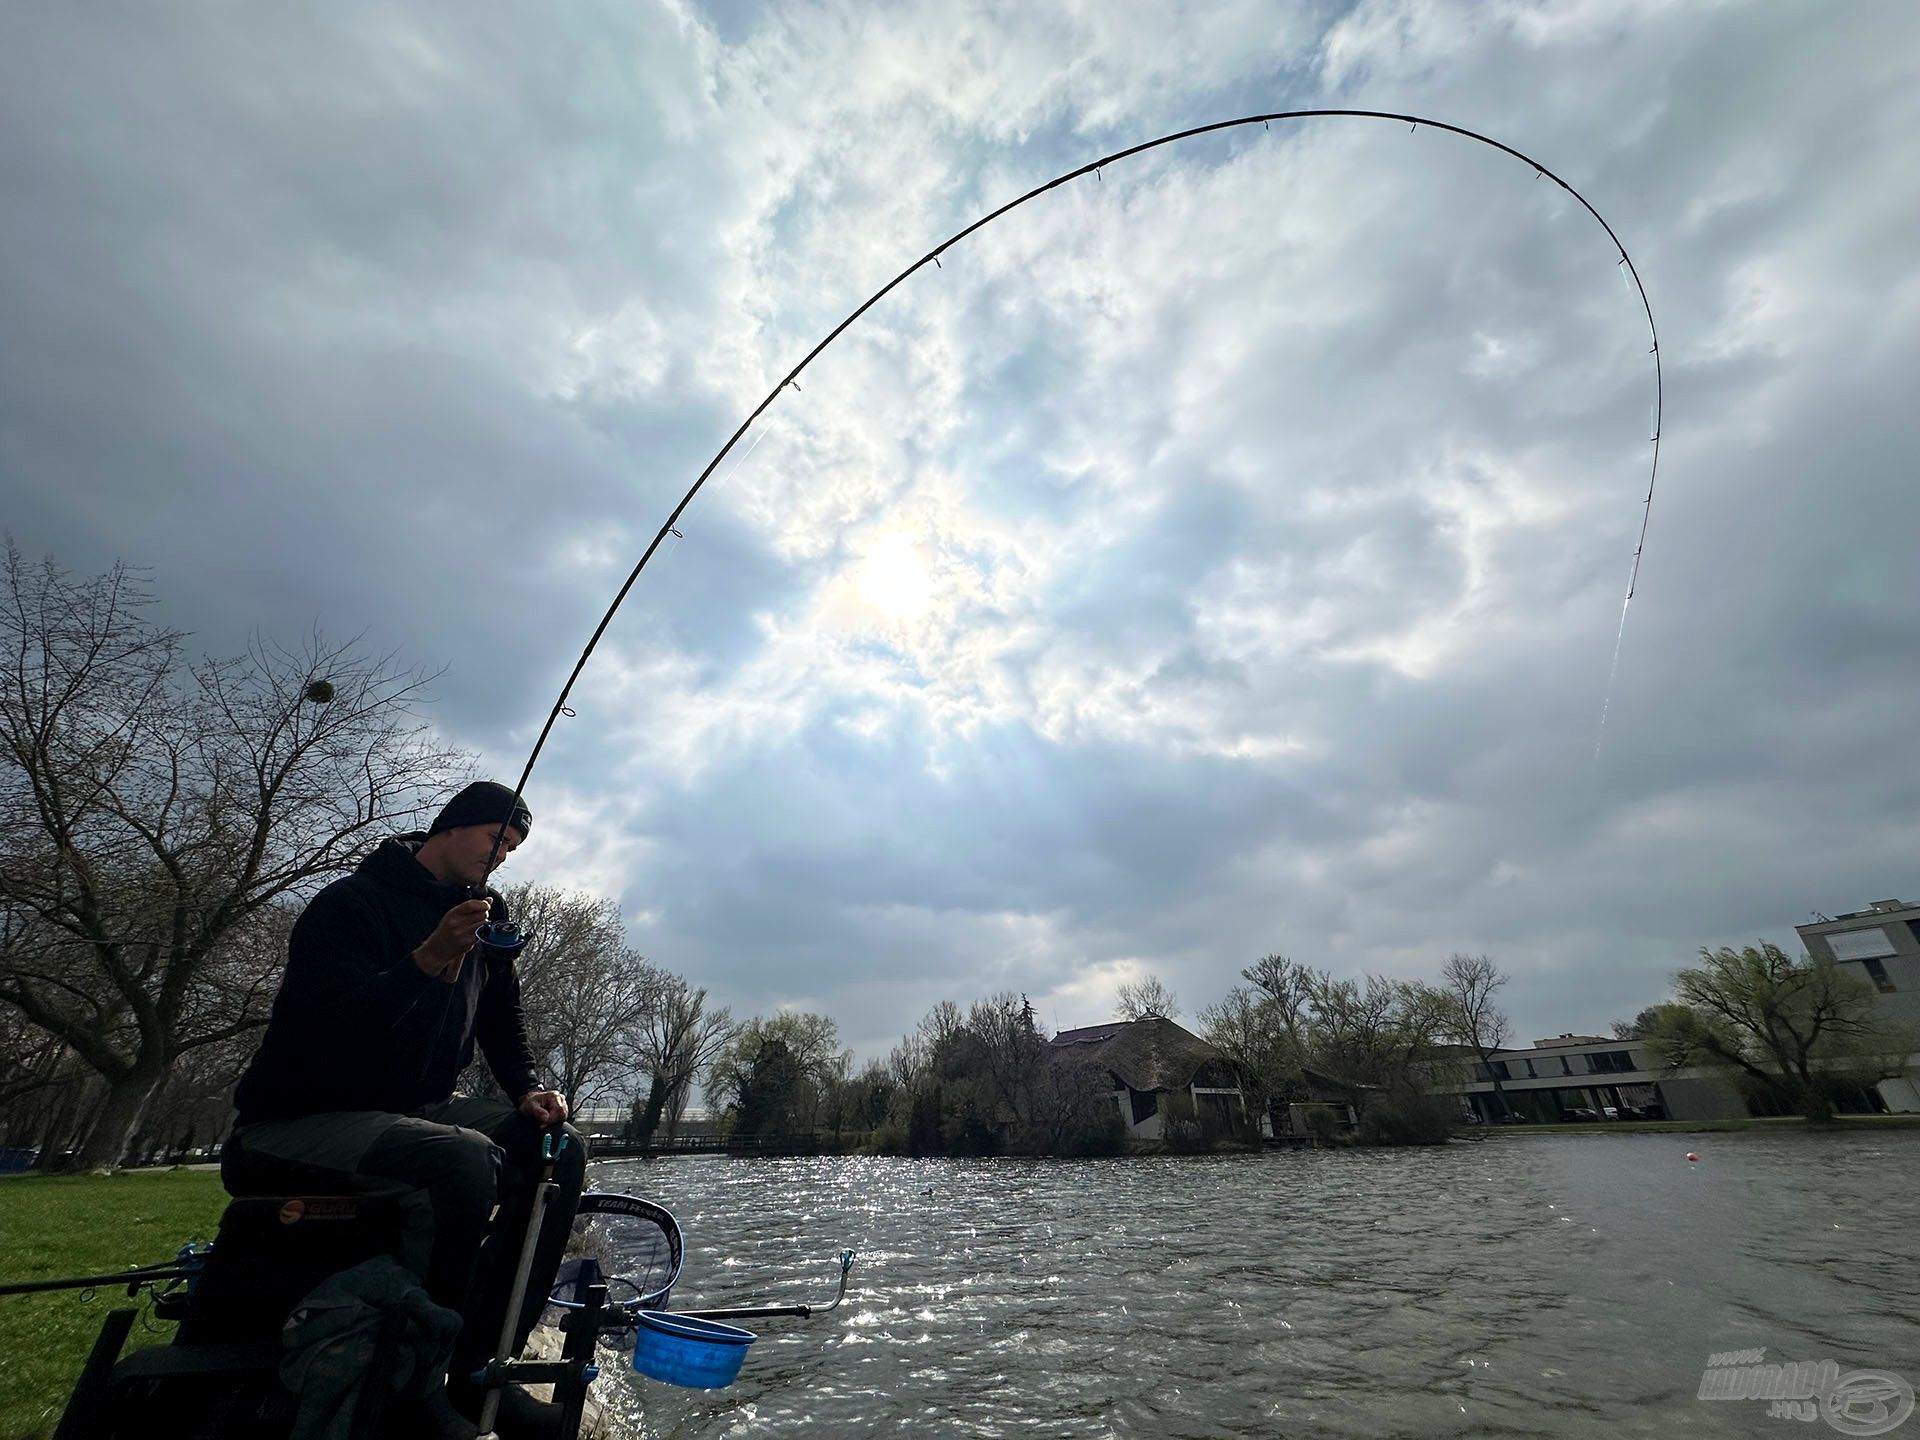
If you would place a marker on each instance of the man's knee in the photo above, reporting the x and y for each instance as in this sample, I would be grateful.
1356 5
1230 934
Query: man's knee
318 1154
456 1165
473 1186
467 1172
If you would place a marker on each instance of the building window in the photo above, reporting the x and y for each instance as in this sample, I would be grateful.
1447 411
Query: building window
1566 1066
1877 973
1530 1072
1146 1103
1869 944
1500 1070
1611 1062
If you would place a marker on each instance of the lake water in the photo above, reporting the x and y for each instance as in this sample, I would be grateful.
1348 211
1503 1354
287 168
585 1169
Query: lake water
1524 1286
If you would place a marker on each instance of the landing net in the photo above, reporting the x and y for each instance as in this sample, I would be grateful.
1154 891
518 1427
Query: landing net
633 1245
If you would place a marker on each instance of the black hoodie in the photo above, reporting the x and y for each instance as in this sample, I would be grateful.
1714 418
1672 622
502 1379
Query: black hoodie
358 1026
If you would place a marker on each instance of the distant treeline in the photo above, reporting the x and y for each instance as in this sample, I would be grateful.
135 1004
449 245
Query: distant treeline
978 1083
986 1081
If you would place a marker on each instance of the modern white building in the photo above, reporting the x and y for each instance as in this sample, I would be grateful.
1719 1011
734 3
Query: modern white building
1881 944
1587 1077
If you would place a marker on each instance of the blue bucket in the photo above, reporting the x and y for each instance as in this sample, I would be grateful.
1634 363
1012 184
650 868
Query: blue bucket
699 1354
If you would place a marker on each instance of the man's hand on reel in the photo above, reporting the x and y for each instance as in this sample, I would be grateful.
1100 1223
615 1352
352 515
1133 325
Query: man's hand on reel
443 952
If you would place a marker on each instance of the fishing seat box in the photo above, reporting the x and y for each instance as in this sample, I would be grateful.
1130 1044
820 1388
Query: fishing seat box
271 1252
219 1379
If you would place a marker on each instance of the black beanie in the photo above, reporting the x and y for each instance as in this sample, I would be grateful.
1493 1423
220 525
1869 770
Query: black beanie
484 803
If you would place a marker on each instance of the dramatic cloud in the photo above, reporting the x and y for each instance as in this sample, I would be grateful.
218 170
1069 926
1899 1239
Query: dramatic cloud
1218 556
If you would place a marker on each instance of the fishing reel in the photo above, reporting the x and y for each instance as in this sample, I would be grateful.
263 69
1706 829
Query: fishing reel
506 937
502 936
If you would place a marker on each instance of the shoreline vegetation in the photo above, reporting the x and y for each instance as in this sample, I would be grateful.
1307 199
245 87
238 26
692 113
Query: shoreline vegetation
1835 1125
1293 1053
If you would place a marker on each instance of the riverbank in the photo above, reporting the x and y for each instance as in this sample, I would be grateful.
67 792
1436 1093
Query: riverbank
1865 1124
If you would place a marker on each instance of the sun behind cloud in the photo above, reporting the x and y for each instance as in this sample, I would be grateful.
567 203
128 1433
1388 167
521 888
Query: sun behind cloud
893 577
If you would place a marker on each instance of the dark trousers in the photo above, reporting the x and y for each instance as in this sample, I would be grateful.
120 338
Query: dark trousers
449 1167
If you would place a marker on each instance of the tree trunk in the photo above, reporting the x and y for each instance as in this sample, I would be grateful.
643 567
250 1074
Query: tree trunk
1816 1096
55 1128
650 1116
127 1097
1499 1094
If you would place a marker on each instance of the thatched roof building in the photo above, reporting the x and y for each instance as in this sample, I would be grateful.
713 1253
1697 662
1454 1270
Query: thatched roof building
1151 1058
1149 1054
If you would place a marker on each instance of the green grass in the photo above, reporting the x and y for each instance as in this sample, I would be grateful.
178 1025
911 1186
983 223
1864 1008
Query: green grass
61 1225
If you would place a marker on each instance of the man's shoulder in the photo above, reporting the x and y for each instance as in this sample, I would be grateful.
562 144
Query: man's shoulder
347 887
355 892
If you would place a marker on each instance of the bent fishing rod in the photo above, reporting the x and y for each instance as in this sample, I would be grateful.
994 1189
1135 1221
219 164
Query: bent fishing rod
509 938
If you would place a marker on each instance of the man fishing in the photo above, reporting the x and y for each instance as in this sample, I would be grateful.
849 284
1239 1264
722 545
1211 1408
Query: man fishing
388 987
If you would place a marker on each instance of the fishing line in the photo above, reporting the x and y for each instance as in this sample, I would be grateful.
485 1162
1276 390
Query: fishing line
1613 670
1094 167
679 536
740 464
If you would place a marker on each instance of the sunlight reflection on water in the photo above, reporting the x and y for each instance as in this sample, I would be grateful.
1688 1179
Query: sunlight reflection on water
1571 1285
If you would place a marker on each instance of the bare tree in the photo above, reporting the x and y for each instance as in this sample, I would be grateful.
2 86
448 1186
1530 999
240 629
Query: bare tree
40 1082
587 995
907 1061
193 1106
1286 988
30 1064
1467 986
1382 1037
940 1024
1007 1051
1264 1027
1245 1027
1144 999
1355 1035
1070 1110
678 1039
153 812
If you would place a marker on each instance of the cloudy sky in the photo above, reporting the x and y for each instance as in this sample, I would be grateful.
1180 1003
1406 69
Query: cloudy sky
1220 556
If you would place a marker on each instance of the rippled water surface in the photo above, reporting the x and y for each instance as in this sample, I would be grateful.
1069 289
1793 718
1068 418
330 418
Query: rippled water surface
1539 1285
